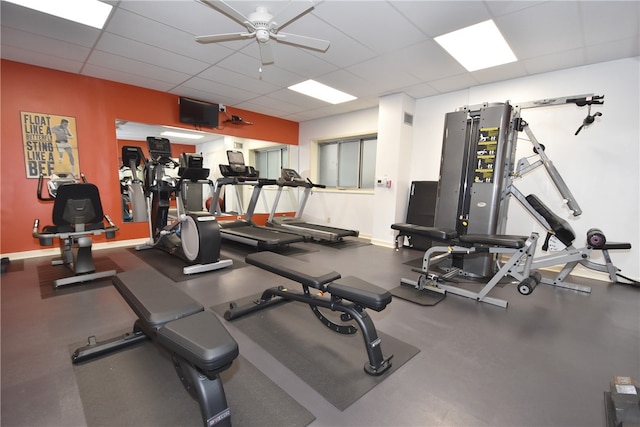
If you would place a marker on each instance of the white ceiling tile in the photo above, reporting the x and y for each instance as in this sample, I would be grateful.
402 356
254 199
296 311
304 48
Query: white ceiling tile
377 47
425 60
496 74
133 67
382 75
44 60
219 93
422 90
44 45
189 16
547 28
546 63
343 50
240 81
266 106
117 75
613 50
453 83
376 24
290 97
435 18
145 53
39 23
153 33
347 82
299 61
506 7
610 20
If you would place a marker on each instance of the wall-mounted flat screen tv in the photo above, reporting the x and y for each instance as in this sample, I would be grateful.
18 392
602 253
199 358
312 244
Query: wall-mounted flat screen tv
198 112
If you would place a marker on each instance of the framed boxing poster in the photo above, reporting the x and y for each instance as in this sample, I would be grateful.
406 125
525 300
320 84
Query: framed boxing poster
49 143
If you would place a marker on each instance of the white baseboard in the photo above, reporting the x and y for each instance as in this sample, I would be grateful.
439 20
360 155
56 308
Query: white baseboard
383 243
55 251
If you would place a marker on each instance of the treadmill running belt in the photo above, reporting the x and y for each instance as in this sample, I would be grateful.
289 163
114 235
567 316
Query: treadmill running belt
340 232
251 234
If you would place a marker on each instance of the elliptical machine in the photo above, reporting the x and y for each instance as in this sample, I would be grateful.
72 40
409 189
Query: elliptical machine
192 236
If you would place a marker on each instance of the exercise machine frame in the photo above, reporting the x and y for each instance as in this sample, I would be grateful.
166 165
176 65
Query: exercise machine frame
347 295
77 215
192 236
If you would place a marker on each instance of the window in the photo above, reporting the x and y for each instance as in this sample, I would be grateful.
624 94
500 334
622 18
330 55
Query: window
348 163
269 161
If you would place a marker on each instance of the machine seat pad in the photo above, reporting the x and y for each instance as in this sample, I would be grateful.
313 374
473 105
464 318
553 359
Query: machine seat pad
502 240
153 297
430 232
202 340
57 229
306 273
561 228
361 292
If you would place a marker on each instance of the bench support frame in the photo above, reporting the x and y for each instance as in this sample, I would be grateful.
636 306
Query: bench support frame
518 266
377 363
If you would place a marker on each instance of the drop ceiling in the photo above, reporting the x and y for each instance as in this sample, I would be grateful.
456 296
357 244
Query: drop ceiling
377 48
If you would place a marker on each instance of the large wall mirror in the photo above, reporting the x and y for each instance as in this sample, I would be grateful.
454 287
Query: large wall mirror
267 157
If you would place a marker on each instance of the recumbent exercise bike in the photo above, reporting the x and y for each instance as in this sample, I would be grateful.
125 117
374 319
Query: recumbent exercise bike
77 214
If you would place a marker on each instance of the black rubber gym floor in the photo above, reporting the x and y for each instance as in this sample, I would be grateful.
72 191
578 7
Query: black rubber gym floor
546 360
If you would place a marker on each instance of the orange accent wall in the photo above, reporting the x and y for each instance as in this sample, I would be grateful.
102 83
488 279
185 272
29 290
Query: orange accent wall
95 104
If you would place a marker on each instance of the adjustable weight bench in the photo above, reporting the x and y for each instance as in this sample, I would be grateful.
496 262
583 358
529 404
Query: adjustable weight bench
519 248
348 295
201 347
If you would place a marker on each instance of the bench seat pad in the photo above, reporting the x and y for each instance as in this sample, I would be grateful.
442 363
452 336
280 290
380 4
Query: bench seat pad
502 240
154 298
201 339
303 272
362 292
421 230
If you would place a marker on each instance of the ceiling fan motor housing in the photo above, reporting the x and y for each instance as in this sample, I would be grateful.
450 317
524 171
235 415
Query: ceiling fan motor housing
262 35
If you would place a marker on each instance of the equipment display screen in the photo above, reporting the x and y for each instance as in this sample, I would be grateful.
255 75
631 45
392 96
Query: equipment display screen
235 157
159 146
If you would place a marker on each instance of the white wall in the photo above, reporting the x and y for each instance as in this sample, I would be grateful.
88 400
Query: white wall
600 165
350 210
215 153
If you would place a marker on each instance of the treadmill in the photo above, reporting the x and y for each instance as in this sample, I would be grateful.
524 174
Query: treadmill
244 230
323 233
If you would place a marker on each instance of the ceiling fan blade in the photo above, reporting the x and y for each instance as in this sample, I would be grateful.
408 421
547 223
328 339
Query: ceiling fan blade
266 54
224 8
222 37
291 12
302 41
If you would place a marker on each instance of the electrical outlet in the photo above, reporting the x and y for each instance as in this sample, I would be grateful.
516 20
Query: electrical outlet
328 220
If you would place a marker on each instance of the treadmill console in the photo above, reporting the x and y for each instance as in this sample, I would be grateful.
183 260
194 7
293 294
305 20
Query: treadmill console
290 175
236 166
236 161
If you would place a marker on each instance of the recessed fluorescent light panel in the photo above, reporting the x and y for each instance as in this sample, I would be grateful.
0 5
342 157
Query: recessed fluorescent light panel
87 12
181 135
322 92
478 46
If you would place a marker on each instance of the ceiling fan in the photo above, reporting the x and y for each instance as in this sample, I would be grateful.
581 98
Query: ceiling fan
263 27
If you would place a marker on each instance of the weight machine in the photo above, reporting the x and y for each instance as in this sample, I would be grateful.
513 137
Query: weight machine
477 175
